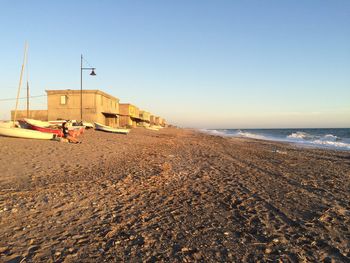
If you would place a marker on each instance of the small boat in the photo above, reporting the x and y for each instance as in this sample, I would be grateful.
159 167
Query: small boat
24 133
101 127
58 122
88 125
38 123
152 128
74 123
30 125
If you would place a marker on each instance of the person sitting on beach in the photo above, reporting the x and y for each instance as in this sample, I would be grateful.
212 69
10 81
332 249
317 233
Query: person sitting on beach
66 134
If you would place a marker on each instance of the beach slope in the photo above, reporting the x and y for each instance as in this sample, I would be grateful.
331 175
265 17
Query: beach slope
172 195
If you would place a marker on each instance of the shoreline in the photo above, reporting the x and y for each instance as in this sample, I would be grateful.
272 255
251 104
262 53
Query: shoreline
331 145
172 195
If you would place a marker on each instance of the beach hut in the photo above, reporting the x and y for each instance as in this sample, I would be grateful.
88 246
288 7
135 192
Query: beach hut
152 120
145 118
97 106
162 122
129 115
157 121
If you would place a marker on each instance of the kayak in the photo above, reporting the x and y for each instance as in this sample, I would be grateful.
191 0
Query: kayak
101 127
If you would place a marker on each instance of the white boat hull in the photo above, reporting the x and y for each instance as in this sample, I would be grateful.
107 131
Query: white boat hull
43 124
24 133
101 127
152 128
88 125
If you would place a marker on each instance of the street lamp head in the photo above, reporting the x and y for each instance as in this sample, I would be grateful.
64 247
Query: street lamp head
93 72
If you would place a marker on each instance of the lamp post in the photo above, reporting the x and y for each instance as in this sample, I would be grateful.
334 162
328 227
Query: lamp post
81 85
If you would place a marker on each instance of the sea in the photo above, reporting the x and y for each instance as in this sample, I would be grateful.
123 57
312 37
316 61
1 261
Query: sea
338 138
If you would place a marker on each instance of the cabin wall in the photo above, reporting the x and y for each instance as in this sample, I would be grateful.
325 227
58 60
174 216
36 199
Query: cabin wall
156 121
144 118
152 120
105 104
130 115
124 109
97 106
125 121
69 108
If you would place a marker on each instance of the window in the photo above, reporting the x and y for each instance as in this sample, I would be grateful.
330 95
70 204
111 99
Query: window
63 100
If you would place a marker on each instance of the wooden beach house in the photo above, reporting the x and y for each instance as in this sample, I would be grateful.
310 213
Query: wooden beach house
152 120
129 115
157 120
145 118
97 106
162 122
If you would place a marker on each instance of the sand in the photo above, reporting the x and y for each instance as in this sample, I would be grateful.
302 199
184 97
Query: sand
174 195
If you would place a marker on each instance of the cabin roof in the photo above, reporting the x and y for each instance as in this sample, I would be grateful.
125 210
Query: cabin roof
85 91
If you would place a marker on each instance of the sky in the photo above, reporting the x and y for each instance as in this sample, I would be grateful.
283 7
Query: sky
199 63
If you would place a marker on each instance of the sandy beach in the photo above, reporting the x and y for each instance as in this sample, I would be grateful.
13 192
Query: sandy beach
173 196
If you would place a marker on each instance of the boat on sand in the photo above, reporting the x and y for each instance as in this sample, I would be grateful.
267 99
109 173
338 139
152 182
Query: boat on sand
57 122
25 133
88 125
27 123
74 123
152 128
38 123
101 127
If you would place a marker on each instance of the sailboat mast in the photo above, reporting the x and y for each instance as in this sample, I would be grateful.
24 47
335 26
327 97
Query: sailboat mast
27 99
27 87
20 81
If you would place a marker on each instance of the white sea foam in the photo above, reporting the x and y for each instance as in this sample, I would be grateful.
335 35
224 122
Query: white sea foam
215 132
299 137
330 137
328 140
332 144
250 135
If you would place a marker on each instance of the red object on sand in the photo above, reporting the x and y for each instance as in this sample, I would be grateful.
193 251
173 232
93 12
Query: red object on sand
58 132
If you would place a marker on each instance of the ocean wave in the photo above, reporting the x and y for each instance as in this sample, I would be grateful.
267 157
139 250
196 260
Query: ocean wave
333 144
236 133
328 140
306 136
299 137
214 132
250 135
331 137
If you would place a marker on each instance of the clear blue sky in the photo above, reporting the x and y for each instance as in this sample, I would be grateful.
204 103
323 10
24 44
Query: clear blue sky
210 64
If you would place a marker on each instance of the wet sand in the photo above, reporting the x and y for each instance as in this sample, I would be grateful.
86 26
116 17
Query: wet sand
174 196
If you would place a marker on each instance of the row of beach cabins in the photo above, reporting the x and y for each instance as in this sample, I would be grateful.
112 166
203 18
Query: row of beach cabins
82 109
